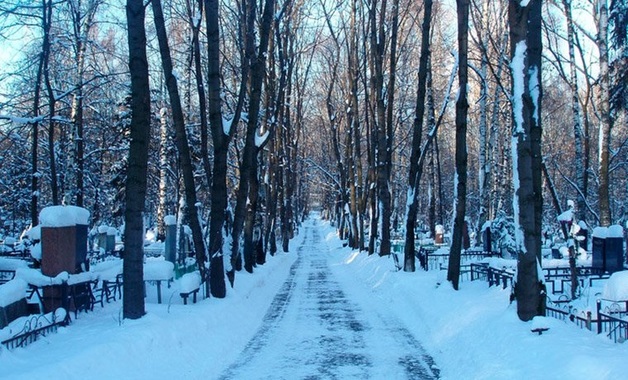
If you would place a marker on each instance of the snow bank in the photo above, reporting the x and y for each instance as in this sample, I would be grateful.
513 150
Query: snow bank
63 216
616 288
103 229
170 220
190 282
158 270
12 291
112 231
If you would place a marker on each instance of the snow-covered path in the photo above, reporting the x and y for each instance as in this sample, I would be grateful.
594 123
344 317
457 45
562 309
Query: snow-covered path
316 331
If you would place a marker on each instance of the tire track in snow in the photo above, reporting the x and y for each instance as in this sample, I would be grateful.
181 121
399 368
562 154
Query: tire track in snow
312 330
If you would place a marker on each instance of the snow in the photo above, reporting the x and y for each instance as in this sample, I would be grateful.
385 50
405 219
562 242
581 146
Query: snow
36 251
535 93
261 139
600 232
226 126
36 278
158 270
108 270
616 288
170 220
81 277
103 229
615 231
12 264
189 282
12 291
566 216
112 231
33 233
473 333
63 216
519 235
518 75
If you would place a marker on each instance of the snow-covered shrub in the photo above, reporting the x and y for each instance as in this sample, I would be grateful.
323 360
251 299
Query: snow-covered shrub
503 232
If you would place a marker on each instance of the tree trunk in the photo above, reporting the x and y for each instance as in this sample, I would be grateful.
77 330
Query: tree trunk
579 158
185 159
525 52
462 106
248 166
47 25
606 121
414 178
221 147
133 297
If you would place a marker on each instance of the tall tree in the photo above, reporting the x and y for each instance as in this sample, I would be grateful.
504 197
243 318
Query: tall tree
181 139
82 22
462 106
133 297
415 173
221 138
248 166
525 51
606 119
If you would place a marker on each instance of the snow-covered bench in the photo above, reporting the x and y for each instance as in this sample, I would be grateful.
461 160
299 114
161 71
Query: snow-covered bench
189 284
158 271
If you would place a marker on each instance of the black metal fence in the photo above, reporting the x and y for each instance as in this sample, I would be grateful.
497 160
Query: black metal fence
430 260
35 327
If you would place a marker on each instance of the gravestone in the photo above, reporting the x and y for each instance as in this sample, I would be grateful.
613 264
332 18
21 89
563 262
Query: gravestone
170 222
598 247
487 239
63 246
614 249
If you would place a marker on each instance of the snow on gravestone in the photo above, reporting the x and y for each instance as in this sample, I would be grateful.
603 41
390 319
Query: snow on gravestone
616 288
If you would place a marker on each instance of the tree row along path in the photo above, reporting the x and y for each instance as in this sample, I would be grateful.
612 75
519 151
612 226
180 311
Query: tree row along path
313 330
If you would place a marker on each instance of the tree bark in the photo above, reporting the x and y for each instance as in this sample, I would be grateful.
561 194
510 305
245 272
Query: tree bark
525 52
221 146
414 178
133 297
606 121
181 140
462 106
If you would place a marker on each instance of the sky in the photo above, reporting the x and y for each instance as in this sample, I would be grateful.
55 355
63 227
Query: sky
321 311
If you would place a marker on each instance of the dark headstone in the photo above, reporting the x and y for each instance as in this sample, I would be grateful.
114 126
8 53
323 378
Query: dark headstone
584 232
487 240
598 250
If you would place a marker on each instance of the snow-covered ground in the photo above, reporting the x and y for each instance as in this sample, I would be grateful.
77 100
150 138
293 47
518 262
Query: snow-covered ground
473 333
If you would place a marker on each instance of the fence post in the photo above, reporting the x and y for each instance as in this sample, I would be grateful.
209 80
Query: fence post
589 320
599 316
